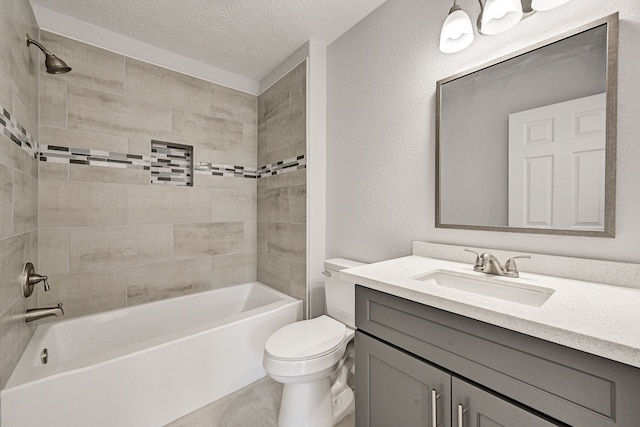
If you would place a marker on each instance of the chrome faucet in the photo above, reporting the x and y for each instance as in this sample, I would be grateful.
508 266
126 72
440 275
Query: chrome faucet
40 313
488 263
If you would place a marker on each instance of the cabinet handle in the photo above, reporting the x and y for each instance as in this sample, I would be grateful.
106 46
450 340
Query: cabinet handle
434 408
460 415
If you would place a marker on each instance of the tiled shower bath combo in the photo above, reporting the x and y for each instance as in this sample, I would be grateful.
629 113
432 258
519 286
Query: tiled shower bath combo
218 200
105 222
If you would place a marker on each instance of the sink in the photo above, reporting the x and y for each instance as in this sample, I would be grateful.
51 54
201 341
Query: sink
509 289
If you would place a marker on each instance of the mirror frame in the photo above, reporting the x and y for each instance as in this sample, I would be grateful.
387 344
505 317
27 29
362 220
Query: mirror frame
611 22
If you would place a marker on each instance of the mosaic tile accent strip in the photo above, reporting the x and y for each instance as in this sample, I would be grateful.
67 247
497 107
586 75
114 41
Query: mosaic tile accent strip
206 168
164 167
81 156
171 163
283 166
17 133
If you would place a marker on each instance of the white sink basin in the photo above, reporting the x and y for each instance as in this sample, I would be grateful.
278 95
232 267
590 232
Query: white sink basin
509 290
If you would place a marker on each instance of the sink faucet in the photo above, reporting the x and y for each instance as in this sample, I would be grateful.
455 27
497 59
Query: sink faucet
488 263
39 313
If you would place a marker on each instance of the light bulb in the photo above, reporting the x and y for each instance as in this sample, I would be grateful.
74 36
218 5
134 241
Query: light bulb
499 15
457 31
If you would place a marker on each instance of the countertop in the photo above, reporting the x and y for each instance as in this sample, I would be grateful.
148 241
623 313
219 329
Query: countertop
595 318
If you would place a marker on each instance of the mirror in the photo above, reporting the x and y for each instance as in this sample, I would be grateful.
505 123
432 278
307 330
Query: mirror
527 143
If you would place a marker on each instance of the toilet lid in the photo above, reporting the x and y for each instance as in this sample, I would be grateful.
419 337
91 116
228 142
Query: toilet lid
306 339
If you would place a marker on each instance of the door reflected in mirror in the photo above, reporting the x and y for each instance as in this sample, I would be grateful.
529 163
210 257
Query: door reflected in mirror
527 143
556 165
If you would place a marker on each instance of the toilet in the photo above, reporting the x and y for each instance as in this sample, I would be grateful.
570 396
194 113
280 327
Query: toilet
313 358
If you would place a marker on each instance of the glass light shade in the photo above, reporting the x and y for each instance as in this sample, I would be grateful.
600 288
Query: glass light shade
457 31
500 15
542 5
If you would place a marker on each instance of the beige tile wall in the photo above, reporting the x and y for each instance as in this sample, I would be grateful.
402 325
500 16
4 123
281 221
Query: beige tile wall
111 239
106 237
282 198
18 178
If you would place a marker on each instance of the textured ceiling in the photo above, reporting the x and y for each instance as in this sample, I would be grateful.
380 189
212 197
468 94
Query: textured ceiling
246 37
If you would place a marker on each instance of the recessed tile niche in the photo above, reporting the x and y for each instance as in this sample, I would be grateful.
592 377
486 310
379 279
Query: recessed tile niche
171 164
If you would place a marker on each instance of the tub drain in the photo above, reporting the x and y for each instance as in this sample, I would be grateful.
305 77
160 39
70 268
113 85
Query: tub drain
44 356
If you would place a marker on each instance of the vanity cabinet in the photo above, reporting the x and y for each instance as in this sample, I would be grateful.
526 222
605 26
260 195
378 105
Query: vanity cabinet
400 390
415 362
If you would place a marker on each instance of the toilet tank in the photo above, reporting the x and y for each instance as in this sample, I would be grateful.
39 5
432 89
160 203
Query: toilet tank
340 294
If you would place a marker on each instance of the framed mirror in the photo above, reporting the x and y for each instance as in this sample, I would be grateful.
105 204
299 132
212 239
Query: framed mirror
527 143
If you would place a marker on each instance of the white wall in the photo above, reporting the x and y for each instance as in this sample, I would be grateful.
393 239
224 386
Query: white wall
381 130
316 175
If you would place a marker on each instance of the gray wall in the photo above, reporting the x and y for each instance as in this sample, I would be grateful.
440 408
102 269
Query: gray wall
18 176
382 78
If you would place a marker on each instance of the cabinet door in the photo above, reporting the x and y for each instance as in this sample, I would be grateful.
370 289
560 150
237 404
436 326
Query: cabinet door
394 389
473 407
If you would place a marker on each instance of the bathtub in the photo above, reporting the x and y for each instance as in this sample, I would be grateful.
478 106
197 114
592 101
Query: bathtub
145 365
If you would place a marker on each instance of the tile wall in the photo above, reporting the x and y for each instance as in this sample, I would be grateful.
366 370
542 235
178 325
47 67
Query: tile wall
282 198
109 238
18 175
88 215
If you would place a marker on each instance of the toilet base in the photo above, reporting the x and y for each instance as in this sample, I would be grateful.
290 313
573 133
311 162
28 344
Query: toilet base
311 405
343 405
306 405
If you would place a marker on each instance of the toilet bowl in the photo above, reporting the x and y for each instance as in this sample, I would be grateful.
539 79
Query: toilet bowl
313 358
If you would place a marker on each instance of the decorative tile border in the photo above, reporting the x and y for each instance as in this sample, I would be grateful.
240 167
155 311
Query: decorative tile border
213 169
283 166
81 156
166 166
17 133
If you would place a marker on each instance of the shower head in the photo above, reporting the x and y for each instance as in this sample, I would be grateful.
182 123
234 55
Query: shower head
54 64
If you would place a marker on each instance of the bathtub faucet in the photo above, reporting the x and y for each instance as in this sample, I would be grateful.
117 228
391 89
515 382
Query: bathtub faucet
39 313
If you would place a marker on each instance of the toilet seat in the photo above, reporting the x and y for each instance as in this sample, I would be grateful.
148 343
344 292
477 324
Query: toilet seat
305 350
308 339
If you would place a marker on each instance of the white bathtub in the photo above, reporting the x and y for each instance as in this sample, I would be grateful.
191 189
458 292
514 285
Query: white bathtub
145 365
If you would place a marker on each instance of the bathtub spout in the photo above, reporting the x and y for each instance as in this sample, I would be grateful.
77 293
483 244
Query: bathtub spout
39 313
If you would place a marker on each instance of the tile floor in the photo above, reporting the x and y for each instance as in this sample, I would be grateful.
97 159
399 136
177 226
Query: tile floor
256 405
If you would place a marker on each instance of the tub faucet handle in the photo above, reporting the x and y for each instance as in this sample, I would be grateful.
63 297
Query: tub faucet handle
37 278
30 278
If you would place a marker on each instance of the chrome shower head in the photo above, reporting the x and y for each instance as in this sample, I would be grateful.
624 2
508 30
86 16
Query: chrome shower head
54 64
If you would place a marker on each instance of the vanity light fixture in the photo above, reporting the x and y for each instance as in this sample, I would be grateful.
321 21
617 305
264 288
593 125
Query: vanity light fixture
542 5
457 31
495 17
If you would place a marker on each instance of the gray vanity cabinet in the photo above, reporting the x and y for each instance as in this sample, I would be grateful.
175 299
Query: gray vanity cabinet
396 389
474 407
407 351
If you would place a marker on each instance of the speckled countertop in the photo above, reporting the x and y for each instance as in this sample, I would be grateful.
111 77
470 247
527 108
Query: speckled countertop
600 319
